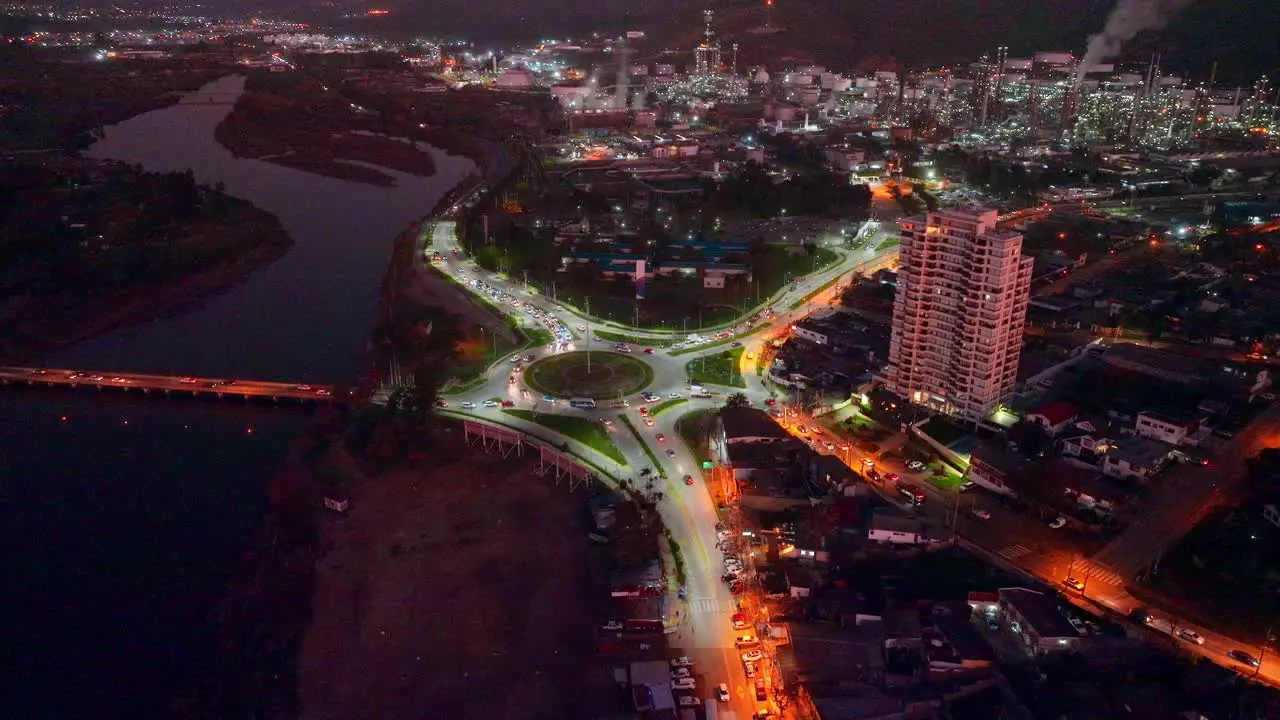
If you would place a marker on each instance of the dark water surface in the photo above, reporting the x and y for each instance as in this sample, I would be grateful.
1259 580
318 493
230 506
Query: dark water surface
124 516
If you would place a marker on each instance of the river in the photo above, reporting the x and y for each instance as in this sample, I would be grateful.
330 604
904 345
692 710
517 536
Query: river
123 517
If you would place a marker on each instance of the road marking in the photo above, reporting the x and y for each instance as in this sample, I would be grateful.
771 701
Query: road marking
705 605
1097 573
1013 552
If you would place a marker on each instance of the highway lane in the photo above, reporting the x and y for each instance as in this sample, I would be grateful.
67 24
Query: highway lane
165 383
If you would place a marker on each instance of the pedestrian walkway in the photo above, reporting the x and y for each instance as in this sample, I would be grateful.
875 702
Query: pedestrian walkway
1013 552
1091 573
704 605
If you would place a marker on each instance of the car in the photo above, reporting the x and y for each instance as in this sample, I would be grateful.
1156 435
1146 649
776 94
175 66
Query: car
1058 522
739 621
119 379
303 388
644 412
606 422
817 430
511 380
1244 658
752 655
684 683
682 661
491 403
893 477
648 351
661 437
770 402
688 479
648 422
1191 636
915 465
981 514
802 430
673 396
722 692
749 669
1073 583
746 640
184 381
688 701
671 453
967 485
681 672
508 404
775 412
549 398
466 405
441 404
611 626
324 392
582 328
761 691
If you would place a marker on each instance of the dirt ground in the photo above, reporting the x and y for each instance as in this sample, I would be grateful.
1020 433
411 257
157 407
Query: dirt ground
464 587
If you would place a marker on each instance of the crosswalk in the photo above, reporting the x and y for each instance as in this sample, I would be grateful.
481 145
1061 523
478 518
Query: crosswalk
1097 574
1013 552
704 605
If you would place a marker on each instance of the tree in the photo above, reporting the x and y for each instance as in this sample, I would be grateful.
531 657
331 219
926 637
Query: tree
737 400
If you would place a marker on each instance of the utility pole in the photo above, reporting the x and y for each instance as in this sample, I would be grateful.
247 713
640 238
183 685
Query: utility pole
1262 654
526 281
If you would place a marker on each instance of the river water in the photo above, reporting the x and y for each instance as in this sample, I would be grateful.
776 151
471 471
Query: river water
124 516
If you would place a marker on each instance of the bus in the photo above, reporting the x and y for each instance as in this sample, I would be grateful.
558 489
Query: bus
912 494
584 403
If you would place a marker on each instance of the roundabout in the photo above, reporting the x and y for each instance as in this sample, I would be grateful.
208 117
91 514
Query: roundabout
609 375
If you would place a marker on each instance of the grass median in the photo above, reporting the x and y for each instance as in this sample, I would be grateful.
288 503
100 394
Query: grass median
666 405
718 369
653 458
588 432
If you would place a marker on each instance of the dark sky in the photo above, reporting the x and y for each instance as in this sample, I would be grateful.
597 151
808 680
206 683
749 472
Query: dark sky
1243 35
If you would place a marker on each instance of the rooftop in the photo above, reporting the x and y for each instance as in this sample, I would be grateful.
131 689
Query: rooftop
1041 611
744 423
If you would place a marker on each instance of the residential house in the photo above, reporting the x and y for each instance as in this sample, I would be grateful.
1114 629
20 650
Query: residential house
1088 440
897 530
1054 417
1085 487
811 333
1135 458
1039 622
995 468
1169 429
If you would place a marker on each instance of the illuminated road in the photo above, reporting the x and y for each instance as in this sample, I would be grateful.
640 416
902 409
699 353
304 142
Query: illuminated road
705 632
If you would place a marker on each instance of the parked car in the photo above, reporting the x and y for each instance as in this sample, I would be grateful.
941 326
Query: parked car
722 692
1058 522
682 661
752 656
688 701
915 465
680 672
746 640
1073 583
684 683
761 692
749 669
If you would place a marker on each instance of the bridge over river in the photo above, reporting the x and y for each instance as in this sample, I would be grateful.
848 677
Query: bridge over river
166 384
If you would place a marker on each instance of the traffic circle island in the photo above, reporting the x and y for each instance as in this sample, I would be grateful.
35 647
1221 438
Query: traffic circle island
605 375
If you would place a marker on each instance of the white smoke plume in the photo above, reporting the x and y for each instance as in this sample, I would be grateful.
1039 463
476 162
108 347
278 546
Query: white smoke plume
1129 18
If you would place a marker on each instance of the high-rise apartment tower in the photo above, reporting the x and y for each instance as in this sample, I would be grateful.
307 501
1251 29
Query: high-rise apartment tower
958 313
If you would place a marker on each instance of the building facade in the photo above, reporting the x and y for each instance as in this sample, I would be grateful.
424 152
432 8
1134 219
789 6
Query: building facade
958 313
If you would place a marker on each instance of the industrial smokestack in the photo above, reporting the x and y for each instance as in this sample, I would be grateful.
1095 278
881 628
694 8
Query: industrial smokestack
1129 18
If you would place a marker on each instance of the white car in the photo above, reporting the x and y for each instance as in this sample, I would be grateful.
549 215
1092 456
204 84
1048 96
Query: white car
915 465
684 683
722 692
606 422
688 701
467 405
491 403
1058 522
752 656
981 514
674 395
750 669
680 672
1191 636
682 661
